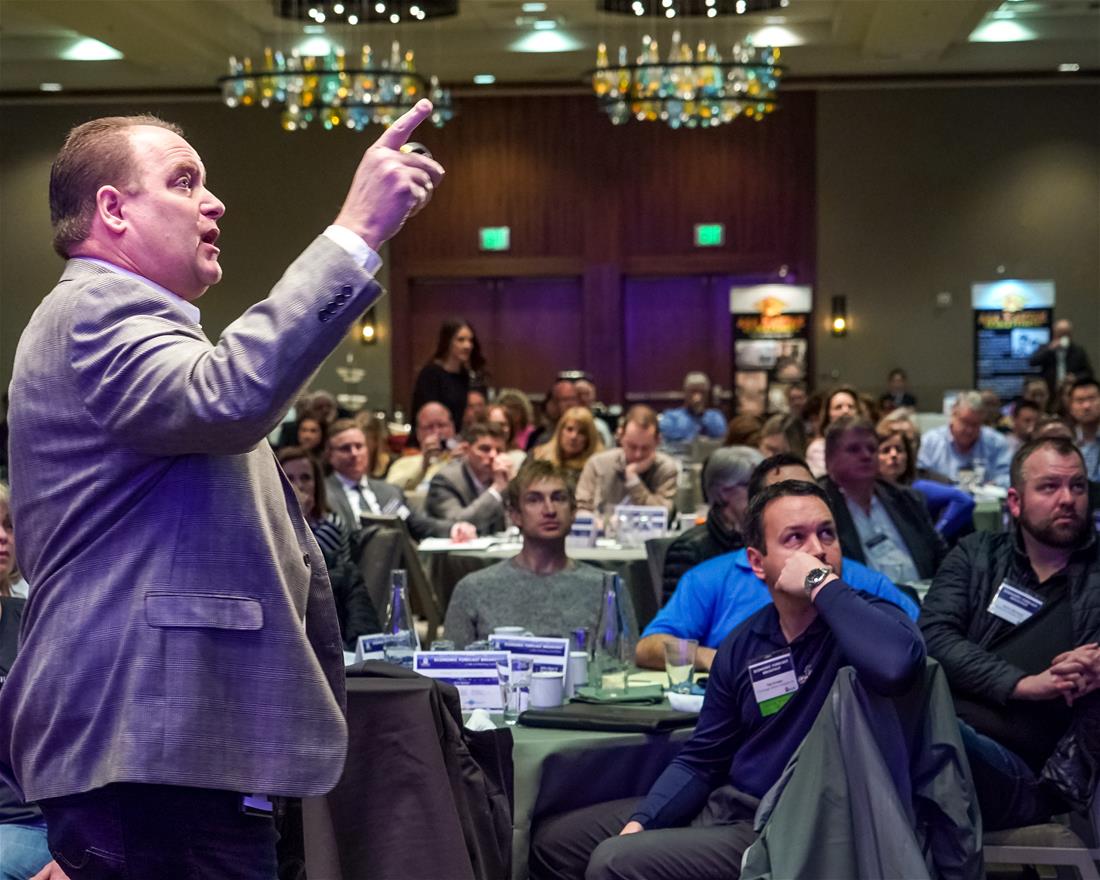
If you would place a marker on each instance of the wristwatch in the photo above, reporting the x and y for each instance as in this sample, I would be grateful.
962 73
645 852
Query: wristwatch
814 579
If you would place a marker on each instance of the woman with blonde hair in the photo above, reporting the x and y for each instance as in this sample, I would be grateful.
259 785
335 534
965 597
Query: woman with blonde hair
575 440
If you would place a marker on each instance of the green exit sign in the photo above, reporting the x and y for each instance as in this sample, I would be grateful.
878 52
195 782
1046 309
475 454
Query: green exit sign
710 234
494 238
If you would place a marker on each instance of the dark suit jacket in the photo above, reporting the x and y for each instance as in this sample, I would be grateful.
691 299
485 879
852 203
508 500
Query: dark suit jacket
160 532
393 503
1077 362
453 496
907 511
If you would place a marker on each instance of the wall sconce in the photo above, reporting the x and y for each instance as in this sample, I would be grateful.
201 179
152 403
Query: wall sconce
368 328
839 324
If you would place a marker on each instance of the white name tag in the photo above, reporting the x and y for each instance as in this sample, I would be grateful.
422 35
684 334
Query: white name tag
774 680
1014 604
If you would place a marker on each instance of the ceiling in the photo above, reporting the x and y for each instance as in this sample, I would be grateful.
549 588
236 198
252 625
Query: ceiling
183 45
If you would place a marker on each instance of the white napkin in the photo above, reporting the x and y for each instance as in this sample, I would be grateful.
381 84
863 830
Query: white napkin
479 720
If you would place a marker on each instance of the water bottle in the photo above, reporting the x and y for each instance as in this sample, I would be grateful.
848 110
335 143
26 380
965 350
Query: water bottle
401 639
613 649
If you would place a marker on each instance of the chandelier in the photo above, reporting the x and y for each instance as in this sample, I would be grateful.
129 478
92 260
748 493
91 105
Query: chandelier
326 89
697 88
331 89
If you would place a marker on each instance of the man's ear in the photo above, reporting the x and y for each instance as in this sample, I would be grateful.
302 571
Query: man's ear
756 560
513 515
108 208
1012 502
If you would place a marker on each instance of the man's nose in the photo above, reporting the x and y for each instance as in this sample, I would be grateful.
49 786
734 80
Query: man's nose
814 547
212 206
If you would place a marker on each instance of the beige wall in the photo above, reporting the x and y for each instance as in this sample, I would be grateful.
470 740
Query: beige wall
928 190
919 191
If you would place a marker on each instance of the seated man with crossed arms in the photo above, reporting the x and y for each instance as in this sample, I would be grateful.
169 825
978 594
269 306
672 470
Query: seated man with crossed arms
768 683
714 597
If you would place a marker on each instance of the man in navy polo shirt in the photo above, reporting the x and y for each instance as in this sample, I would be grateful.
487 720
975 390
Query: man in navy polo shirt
714 597
768 682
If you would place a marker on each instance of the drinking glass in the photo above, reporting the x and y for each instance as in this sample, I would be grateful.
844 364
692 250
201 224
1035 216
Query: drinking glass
680 664
515 688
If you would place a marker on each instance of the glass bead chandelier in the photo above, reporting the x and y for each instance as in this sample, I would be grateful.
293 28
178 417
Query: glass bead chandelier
330 90
697 88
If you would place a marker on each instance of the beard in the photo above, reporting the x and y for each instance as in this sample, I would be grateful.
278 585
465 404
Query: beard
1047 531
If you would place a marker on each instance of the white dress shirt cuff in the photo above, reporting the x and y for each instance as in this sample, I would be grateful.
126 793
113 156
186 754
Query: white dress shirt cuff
357 249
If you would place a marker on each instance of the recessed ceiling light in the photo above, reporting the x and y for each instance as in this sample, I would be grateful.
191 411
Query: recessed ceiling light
317 47
394 18
49 87
545 24
546 41
87 49
777 35
1001 31
533 7
484 79
1069 68
314 29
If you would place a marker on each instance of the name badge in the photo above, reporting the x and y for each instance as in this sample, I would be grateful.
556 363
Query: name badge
1014 604
774 681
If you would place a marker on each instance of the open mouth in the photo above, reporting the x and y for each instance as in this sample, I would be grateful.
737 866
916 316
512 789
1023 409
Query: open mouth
210 236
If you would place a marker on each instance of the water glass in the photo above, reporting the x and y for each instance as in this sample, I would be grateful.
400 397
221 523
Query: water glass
442 645
515 688
680 664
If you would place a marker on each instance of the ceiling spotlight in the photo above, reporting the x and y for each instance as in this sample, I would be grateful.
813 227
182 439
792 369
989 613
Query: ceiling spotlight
353 19
1069 68
49 87
534 7
394 18
670 13
740 7
545 24
379 8
712 12
320 18
484 79
338 9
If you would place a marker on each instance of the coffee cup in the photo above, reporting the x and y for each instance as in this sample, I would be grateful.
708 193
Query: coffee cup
547 690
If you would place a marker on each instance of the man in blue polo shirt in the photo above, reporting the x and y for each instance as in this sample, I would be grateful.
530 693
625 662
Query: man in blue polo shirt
712 598
767 685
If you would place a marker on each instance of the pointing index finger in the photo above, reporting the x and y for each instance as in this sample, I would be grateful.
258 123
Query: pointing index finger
398 133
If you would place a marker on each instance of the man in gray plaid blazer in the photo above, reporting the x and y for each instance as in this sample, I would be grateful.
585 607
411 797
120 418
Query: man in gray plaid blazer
181 659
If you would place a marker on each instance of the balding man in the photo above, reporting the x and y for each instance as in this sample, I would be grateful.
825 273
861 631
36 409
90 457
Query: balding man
964 449
694 419
1062 358
436 431
155 524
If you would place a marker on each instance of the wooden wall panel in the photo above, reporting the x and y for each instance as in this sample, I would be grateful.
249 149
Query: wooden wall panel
604 202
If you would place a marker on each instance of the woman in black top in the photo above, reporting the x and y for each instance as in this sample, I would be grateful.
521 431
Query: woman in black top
456 366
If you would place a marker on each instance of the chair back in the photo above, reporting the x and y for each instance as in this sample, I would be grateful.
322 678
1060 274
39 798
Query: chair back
656 549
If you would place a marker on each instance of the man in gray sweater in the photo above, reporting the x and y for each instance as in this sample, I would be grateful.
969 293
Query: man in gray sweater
540 589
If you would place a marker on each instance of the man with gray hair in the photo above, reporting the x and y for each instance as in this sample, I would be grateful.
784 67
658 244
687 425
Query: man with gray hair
726 488
964 449
694 419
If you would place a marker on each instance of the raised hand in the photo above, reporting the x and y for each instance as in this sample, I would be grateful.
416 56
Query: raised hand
390 186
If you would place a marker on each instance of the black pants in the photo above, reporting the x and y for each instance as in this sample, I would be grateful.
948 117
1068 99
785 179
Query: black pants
159 832
585 843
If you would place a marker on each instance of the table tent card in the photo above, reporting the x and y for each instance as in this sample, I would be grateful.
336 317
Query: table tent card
474 673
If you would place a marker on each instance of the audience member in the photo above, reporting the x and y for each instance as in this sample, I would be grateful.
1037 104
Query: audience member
715 596
1025 413
438 446
378 442
897 392
726 474
1036 390
585 387
501 416
992 417
635 473
540 589
739 749
23 849
354 608
11 582
965 444
353 493
743 430
951 508
311 435
1049 425
477 407
1014 617
562 396
447 377
1062 357
472 490
574 442
881 524
521 415
841 401
695 418
797 395
1084 409
318 404
781 433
